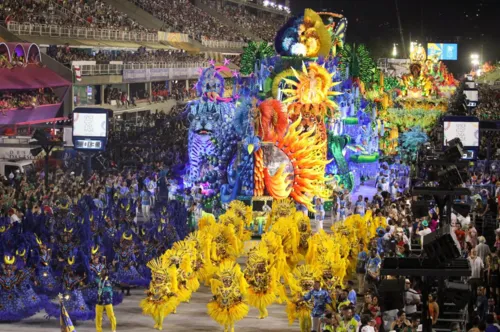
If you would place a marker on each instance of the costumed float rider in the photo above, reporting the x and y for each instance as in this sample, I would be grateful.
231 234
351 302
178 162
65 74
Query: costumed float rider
104 301
320 214
261 219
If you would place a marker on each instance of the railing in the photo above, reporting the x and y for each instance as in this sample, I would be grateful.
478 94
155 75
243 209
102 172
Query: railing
222 43
80 33
95 70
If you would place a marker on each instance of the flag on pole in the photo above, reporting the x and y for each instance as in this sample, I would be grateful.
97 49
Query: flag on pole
65 320
78 73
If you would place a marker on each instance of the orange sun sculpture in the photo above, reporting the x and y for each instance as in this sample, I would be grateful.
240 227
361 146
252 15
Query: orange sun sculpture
310 91
304 149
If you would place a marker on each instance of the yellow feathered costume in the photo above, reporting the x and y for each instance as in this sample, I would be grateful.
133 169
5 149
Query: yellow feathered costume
162 299
300 282
229 289
264 287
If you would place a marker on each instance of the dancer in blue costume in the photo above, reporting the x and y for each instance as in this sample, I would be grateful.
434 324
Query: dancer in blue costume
72 298
46 283
11 304
125 262
32 302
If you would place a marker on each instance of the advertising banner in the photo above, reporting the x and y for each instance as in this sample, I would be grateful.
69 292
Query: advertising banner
158 74
443 51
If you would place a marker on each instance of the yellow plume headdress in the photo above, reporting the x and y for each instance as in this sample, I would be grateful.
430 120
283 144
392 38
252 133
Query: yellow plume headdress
9 260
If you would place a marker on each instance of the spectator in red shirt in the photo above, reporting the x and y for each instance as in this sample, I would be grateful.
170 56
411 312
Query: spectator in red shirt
460 234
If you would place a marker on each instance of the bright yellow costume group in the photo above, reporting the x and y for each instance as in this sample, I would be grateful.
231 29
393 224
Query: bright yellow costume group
280 269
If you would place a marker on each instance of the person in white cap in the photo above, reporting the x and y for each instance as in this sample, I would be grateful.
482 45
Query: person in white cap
412 298
482 249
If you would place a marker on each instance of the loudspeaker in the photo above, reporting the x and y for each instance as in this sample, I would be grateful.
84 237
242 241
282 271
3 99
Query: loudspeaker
442 245
462 209
457 293
391 293
420 209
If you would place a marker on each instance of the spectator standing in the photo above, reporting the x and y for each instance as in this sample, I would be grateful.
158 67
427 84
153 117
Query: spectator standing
373 269
482 249
361 268
146 203
426 230
412 298
433 308
348 322
351 295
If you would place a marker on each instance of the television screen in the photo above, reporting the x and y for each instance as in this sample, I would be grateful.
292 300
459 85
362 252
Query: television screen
90 124
443 51
468 132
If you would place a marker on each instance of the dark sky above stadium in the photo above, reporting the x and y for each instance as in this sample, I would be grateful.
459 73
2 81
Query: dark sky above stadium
470 23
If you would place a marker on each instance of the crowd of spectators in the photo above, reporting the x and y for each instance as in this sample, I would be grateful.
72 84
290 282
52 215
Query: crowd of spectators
177 15
18 61
87 13
162 142
26 99
264 25
182 16
66 55
403 238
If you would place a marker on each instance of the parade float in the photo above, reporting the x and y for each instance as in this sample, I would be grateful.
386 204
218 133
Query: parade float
294 125
414 102
311 116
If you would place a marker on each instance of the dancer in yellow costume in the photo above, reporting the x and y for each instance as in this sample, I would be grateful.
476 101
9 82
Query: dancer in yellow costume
229 289
288 231
187 251
243 211
305 232
282 208
301 281
262 279
184 272
202 266
222 244
230 218
161 300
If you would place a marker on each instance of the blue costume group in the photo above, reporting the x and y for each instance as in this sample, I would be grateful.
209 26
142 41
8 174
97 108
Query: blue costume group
63 249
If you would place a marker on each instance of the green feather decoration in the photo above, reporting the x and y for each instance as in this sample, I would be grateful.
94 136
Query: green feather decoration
253 52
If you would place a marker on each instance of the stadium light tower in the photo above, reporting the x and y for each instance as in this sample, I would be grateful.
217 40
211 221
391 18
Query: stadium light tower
474 59
395 50
413 45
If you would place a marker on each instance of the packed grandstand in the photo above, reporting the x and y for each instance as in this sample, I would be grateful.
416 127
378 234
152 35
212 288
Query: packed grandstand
101 38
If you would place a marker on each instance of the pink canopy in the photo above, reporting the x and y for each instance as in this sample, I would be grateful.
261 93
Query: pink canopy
31 77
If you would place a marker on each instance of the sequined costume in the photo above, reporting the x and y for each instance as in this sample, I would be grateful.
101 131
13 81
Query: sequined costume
11 303
46 283
229 289
184 271
161 298
301 282
72 297
126 274
262 279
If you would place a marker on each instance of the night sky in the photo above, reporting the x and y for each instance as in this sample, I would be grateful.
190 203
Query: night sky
471 24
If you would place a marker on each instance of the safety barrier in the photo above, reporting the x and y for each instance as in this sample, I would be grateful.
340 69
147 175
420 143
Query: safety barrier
117 69
222 43
80 33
